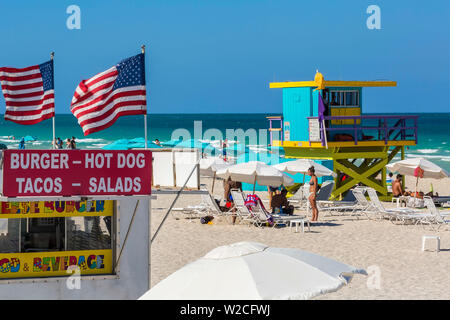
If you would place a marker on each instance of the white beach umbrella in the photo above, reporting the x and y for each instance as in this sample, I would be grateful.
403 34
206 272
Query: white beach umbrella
302 166
254 271
256 171
407 167
209 167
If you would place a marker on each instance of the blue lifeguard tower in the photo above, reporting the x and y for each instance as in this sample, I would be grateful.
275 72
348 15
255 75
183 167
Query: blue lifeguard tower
324 121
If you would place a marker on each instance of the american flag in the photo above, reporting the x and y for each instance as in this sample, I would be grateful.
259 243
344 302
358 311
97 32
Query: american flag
118 91
29 93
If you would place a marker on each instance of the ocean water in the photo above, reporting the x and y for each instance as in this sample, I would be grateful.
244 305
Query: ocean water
434 131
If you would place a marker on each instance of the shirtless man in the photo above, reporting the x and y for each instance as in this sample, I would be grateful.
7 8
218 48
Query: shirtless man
397 189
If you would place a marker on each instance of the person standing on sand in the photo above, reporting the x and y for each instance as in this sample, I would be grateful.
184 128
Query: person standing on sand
224 151
22 144
73 144
313 187
60 143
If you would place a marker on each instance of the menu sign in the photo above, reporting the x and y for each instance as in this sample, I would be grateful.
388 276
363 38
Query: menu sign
76 172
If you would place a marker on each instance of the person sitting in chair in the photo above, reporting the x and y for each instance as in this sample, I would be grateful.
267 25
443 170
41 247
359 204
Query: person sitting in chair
397 189
279 201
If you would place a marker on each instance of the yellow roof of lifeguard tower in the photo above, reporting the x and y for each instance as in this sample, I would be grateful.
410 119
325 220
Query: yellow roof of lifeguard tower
331 83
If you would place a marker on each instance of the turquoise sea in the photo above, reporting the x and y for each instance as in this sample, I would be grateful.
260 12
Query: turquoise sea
434 131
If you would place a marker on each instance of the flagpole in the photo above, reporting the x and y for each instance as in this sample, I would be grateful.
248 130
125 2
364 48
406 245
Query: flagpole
52 55
145 115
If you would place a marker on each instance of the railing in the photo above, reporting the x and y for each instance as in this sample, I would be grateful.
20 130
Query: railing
405 127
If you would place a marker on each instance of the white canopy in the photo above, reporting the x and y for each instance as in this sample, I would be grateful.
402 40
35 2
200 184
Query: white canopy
302 166
407 167
208 166
256 171
254 271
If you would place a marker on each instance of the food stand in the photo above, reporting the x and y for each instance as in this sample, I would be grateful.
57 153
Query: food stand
75 224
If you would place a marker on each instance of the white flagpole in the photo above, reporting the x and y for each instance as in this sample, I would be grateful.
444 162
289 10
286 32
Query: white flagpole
145 115
52 54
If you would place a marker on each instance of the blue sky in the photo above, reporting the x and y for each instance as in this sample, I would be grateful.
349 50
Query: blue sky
220 55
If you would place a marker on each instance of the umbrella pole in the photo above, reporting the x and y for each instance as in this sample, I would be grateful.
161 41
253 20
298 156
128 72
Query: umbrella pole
214 180
415 192
254 185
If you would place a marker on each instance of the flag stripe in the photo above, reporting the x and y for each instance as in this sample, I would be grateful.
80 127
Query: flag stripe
96 104
108 109
30 104
22 78
84 92
123 112
119 91
26 101
34 112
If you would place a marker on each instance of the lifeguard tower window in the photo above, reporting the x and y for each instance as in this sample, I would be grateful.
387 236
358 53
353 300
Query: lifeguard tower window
344 98
82 237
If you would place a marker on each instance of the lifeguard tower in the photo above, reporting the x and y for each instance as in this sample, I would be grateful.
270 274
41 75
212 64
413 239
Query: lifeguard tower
324 121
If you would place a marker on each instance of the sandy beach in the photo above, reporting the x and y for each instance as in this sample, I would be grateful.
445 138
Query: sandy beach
405 272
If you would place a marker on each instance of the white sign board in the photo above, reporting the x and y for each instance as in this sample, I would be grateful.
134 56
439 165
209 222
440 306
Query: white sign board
314 130
172 167
287 131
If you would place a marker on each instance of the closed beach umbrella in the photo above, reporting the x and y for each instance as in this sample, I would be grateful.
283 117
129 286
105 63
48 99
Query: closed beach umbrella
254 271
302 166
408 168
256 171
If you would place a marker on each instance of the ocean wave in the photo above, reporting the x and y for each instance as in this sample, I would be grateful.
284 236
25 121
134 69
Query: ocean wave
437 157
8 140
427 150
89 140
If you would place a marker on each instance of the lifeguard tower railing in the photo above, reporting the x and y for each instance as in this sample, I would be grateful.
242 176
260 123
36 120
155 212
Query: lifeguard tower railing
367 128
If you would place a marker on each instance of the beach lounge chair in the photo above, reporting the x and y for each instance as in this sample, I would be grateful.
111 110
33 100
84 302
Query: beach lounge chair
322 196
192 212
360 205
301 195
241 211
261 217
208 206
439 218
325 191
211 205
402 215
